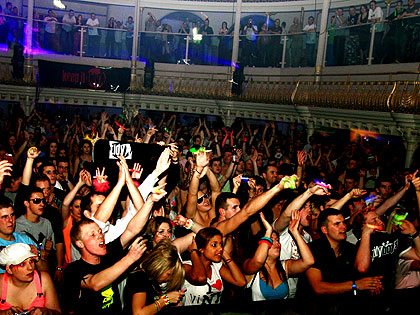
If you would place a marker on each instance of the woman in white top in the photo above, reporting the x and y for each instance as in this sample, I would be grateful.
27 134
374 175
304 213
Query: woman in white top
205 272
270 274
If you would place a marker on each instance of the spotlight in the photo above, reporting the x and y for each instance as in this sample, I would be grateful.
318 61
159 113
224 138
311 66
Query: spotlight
58 4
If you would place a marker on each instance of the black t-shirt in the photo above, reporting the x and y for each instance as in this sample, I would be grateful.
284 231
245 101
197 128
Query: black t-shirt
385 251
138 282
276 39
333 269
105 301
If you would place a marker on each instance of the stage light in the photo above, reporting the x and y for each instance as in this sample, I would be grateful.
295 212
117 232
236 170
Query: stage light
58 4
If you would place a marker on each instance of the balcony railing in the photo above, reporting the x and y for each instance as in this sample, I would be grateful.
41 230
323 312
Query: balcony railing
397 41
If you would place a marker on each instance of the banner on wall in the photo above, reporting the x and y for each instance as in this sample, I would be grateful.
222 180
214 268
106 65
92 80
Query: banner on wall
59 74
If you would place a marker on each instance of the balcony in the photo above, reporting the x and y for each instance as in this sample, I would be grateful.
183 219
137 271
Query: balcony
280 80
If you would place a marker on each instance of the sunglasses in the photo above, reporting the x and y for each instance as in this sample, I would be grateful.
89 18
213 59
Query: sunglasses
37 201
201 199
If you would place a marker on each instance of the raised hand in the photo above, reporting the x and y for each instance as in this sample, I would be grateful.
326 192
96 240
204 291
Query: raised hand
180 220
202 159
268 227
33 153
86 177
294 222
357 193
415 181
100 176
237 181
163 162
5 169
136 171
137 249
301 156
158 193
407 227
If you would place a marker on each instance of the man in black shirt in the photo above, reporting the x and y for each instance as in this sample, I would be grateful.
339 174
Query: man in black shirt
333 271
90 284
378 251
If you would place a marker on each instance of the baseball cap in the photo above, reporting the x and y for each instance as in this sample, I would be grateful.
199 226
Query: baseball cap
15 254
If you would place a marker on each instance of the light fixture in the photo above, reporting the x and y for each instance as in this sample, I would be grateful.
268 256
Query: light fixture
58 4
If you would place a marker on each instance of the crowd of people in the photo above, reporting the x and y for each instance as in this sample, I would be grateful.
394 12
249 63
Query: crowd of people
397 37
223 215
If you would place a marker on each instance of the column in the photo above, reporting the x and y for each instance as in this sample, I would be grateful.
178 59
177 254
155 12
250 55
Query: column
322 38
235 48
28 42
411 144
135 44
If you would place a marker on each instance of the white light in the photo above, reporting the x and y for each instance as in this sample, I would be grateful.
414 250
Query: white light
58 4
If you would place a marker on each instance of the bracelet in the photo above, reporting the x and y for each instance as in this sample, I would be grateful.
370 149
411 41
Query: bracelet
165 299
189 224
59 268
267 239
198 171
228 261
354 287
194 250
412 237
158 306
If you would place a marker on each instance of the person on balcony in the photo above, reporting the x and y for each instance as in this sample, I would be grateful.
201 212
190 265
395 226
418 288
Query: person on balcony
129 27
413 39
50 36
310 41
296 44
276 51
340 37
206 30
250 43
110 38
376 17
67 32
93 35
150 26
397 37
364 36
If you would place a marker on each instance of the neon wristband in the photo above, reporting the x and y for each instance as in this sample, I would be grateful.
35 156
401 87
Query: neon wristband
267 239
165 299
189 224
264 241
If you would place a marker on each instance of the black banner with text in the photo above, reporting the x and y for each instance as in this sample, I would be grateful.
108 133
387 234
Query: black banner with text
58 74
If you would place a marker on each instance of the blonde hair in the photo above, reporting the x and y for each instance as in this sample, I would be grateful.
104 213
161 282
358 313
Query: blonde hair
162 258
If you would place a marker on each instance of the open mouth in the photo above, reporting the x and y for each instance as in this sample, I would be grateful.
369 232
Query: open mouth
102 244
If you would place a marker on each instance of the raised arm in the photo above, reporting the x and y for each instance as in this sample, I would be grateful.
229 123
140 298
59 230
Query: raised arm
84 178
253 206
196 272
107 276
202 162
105 210
392 201
354 193
283 221
363 256
300 265
137 223
32 154
252 265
